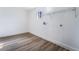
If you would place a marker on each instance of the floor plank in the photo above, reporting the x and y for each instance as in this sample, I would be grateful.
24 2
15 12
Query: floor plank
27 42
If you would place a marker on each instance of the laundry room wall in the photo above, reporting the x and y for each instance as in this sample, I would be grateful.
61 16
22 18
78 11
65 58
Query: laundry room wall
76 32
13 20
58 27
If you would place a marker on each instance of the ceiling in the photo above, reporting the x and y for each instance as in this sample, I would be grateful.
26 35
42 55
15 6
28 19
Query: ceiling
28 8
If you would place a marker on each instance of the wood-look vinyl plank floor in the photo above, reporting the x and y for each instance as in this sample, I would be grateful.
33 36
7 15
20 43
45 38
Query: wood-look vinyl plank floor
27 42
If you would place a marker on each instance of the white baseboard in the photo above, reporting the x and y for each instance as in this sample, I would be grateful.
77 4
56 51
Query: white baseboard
59 43
64 45
13 34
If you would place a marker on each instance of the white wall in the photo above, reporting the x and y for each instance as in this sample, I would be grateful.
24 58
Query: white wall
76 33
63 36
13 21
18 20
